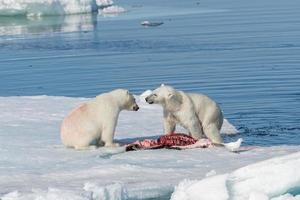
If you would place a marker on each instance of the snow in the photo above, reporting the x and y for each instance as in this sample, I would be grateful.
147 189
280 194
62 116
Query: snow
114 191
50 7
245 180
270 179
35 165
104 3
287 197
50 194
112 10
211 173
187 190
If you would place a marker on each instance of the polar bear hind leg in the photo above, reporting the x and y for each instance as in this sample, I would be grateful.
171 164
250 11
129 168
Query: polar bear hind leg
213 133
86 143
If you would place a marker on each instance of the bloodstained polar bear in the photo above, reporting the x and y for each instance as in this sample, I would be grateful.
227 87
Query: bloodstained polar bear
93 123
196 112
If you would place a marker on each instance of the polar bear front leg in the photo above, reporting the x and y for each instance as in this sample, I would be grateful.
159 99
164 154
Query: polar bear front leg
108 135
195 130
190 121
194 126
169 123
169 126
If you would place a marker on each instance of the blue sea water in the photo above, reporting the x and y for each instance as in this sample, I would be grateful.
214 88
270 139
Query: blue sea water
243 54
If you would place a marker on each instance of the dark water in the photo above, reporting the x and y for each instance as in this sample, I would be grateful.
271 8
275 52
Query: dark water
245 55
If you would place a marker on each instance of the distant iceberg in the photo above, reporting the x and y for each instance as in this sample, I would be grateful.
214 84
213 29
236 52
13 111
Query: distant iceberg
50 7
104 3
112 10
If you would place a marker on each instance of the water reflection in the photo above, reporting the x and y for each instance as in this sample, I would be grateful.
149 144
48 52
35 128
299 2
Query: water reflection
47 24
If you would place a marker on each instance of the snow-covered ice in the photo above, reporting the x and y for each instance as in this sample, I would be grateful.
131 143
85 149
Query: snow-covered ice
271 179
34 164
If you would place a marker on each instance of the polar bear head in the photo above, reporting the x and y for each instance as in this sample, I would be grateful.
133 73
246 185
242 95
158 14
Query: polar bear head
165 95
125 99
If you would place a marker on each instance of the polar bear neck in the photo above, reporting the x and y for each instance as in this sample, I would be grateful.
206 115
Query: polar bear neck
113 101
121 103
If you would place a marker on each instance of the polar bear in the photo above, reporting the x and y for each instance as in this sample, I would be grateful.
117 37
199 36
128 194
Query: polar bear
93 123
199 114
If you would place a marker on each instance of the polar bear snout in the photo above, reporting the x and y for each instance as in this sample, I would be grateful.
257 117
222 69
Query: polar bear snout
135 107
150 99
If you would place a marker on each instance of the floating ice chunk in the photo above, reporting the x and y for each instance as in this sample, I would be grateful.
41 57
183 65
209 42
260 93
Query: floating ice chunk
113 10
148 23
104 3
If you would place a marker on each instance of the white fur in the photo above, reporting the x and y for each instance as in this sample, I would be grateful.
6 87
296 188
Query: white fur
199 114
93 123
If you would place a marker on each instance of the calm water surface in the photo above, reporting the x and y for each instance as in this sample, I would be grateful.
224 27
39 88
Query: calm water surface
245 55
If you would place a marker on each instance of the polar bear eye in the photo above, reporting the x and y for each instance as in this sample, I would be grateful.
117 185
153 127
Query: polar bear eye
155 95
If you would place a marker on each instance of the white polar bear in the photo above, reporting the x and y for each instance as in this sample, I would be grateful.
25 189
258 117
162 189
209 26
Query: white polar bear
196 112
94 122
